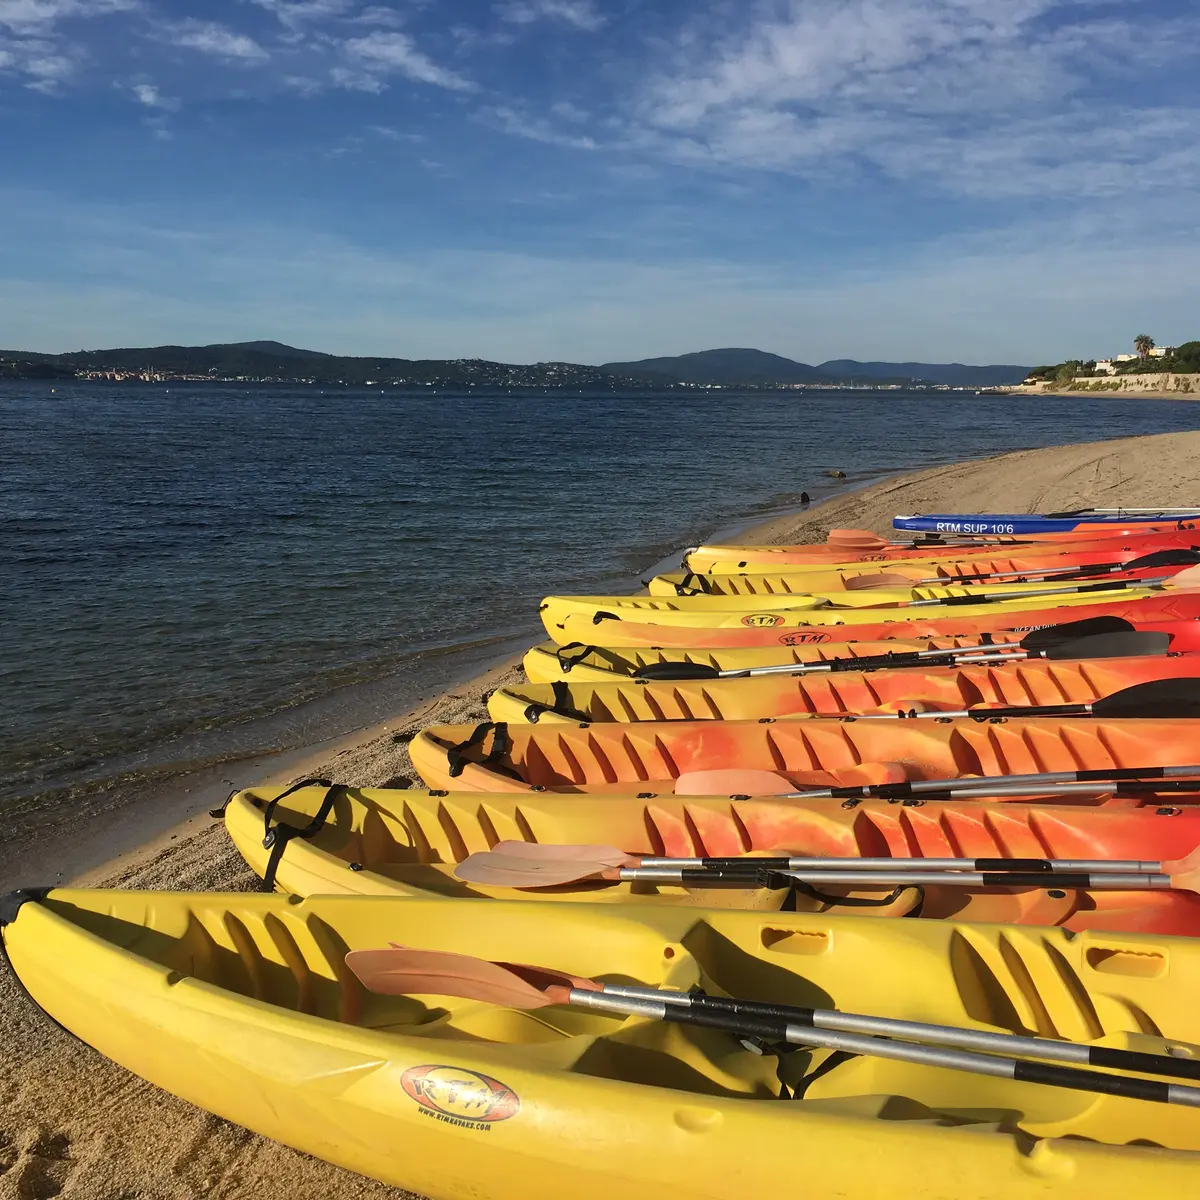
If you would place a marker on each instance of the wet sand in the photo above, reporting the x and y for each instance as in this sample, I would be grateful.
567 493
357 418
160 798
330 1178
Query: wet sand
74 1125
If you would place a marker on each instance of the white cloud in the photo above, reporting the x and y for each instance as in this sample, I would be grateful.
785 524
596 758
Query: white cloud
581 14
149 96
380 54
377 14
35 16
208 37
534 128
37 48
295 13
395 135
357 81
45 62
966 95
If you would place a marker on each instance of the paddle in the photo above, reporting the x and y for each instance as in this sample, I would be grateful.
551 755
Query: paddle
1156 699
769 783
508 866
1095 637
863 540
511 864
399 970
1189 577
1160 558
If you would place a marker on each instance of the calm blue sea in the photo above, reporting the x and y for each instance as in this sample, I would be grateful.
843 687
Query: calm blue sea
177 565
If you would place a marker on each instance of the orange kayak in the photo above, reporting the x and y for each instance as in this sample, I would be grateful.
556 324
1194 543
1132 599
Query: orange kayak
623 758
1064 546
926 689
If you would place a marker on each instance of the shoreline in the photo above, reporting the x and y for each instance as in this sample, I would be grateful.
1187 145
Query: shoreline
83 832
94 1132
1062 476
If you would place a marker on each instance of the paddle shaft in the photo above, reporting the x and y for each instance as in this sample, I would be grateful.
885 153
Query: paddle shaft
1114 585
904 877
946 1035
1011 785
770 1030
1122 866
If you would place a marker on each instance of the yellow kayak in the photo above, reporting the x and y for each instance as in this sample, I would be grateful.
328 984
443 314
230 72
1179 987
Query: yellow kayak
570 618
244 1006
407 844
546 662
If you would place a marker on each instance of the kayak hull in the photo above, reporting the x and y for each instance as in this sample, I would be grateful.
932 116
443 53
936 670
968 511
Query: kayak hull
650 756
243 1005
560 613
547 662
719 559
405 844
834 693
849 577
780 629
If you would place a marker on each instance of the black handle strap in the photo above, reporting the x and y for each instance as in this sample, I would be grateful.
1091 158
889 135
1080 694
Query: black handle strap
276 838
562 705
566 661
295 787
703 585
457 757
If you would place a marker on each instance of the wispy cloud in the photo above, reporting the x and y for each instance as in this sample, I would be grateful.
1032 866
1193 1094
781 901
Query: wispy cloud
34 16
534 128
38 49
966 95
381 54
297 13
581 14
149 96
209 37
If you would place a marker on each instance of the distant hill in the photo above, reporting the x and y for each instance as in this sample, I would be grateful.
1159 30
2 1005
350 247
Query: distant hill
270 360
731 366
276 348
275 362
955 374
756 368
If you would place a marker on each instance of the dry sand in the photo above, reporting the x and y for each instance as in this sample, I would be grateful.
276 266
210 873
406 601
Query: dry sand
74 1125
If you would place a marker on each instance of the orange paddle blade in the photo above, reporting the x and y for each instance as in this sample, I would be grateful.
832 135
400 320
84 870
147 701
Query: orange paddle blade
856 539
403 971
502 870
610 856
866 583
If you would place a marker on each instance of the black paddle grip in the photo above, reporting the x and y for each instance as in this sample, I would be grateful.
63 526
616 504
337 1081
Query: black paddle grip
1092 1081
770 1029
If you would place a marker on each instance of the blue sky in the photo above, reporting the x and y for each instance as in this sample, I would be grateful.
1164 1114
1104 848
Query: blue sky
978 180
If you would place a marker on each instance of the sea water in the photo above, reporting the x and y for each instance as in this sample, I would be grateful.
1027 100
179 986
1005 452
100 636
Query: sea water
194 571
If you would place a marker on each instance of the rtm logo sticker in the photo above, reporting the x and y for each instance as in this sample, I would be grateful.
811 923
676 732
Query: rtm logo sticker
803 639
460 1097
762 620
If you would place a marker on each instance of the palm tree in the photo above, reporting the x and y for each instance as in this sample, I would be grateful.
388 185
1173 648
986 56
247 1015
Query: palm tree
1143 344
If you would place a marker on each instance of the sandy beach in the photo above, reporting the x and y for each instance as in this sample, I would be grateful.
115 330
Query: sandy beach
77 1126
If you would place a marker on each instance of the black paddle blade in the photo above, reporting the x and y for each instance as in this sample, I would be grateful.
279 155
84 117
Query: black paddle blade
676 670
1043 639
1112 645
1164 558
1158 699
